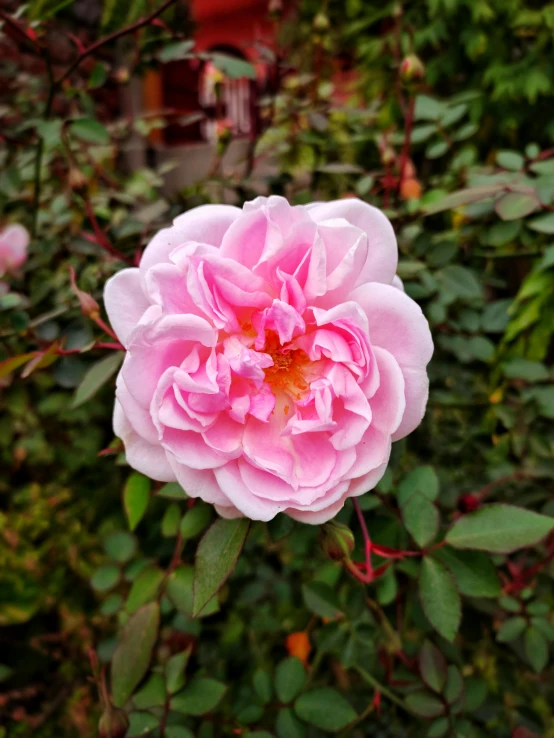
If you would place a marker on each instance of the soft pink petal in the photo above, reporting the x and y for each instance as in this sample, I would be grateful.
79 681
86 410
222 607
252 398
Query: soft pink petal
382 254
205 224
145 457
125 302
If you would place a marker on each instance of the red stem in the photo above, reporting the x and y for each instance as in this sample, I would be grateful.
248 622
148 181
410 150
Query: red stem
367 539
407 140
101 238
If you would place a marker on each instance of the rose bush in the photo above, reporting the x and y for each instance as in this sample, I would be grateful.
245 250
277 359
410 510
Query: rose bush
271 356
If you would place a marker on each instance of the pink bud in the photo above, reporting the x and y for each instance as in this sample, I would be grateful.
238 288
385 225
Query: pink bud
412 69
89 306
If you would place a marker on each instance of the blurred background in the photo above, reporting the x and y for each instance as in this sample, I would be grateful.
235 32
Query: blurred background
116 116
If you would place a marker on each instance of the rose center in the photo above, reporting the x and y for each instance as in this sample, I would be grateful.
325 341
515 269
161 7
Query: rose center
289 364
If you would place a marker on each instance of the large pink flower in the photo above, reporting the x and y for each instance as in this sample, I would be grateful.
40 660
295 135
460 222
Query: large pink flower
13 248
270 360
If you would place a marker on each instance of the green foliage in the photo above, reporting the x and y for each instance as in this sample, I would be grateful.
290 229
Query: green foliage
225 628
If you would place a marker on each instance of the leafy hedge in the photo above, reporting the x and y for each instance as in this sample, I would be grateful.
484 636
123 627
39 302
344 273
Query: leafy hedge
106 574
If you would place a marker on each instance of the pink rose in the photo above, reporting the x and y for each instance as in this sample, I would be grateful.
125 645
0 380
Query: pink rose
270 360
13 248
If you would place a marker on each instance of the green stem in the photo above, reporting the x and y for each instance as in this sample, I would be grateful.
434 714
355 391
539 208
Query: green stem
383 690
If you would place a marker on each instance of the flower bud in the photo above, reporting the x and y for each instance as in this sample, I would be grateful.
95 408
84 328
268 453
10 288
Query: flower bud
77 180
410 189
336 540
321 23
114 723
122 75
412 69
89 306
388 156
298 644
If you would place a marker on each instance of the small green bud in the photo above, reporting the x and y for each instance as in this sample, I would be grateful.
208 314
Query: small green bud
412 69
336 540
321 23
114 723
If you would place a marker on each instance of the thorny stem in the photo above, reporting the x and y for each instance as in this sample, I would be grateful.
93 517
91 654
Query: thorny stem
112 37
55 84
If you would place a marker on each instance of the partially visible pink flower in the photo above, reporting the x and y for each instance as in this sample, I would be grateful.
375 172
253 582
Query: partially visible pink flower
13 248
271 358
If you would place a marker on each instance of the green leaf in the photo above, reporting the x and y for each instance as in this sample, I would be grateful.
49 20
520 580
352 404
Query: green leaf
263 685
132 656
438 728
98 75
120 546
439 597
321 599
195 520
425 704
543 224
543 167
288 725
175 51
432 666
179 591
545 627
141 723
473 571
423 132
325 708
421 519
437 149
216 557
530 371
290 676
461 282
175 670
454 687
427 108
510 160
135 498
178 731
97 376
536 648
172 491
499 528
280 526
199 696
232 66
422 480
145 588
171 520
511 629
105 578
515 205
152 694
90 130
112 604
463 197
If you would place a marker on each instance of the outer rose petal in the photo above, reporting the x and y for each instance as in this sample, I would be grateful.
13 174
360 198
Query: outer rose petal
141 455
13 246
125 302
397 324
382 254
205 224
